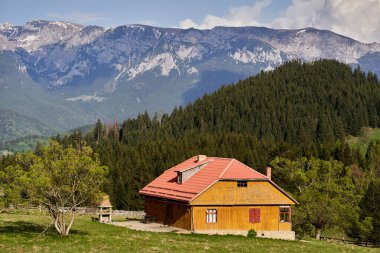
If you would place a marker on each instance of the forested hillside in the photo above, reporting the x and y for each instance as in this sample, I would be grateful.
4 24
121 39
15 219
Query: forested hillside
13 125
297 110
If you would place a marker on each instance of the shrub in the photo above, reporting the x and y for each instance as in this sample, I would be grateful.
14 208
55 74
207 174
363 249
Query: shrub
252 233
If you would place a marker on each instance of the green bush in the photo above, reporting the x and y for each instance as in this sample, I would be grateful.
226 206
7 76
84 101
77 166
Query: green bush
252 233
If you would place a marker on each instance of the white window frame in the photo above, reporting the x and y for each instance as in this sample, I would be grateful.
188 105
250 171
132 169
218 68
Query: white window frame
288 212
211 215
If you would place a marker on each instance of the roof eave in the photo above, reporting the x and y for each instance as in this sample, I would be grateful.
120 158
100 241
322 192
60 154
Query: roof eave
164 197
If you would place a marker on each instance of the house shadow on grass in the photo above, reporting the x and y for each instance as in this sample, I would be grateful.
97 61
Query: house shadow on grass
23 227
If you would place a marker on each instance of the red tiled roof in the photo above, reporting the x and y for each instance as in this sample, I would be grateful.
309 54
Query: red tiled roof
214 169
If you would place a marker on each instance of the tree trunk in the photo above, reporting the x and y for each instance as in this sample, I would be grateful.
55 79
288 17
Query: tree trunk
59 222
71 222
318 233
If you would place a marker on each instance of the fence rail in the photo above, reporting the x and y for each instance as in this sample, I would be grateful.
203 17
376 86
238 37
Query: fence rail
88 210
372 244
129 214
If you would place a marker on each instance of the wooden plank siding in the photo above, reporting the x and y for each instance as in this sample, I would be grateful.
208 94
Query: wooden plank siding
237 218
233 205
169 212
256 193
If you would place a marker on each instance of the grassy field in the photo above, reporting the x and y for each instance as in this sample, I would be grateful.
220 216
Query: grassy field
22 233
366 136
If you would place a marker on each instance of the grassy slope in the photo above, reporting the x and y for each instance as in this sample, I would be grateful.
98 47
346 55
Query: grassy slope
14 124
366 136
20 233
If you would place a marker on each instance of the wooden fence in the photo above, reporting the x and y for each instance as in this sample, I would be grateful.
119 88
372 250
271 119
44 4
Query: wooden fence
372 244
129 214
91 210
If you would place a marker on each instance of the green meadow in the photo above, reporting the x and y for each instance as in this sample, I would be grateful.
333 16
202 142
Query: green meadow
367 134
23 233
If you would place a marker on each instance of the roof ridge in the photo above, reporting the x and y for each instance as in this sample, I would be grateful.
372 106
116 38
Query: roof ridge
195 165
175 166
226 168
224 158
251 168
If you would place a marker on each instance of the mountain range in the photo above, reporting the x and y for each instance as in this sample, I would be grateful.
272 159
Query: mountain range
58 75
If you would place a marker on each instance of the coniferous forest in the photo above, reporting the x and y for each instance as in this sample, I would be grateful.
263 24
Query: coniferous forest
295 118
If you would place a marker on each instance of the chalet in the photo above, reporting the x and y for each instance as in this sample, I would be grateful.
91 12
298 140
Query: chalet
219 195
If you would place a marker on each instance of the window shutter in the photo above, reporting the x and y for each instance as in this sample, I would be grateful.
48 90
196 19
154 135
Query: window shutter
251 215
254 215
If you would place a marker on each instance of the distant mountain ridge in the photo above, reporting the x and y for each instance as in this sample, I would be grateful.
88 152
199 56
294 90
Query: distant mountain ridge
113 73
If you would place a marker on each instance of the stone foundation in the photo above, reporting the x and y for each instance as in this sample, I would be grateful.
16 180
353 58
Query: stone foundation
284 235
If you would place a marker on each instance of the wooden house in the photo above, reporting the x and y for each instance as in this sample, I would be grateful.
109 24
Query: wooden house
219 195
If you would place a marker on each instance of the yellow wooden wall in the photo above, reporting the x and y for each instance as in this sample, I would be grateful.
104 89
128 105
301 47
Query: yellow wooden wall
237 218
233 204
256 193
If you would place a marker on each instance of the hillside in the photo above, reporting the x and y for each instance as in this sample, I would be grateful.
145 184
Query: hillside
320 102
13 125
299 109
80 73
25 98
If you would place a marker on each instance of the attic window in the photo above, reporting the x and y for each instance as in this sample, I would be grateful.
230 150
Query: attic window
179 177
184 175
241 183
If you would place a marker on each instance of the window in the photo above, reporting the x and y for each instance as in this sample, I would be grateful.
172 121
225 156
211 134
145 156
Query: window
285 214
241 183
179 177
254 215
211 216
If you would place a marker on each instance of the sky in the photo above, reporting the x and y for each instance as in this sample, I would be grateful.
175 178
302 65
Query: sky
358 19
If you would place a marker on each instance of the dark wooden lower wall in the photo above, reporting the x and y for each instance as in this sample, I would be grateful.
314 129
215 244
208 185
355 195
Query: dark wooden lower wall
169 212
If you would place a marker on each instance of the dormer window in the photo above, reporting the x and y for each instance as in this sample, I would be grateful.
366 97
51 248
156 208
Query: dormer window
185 174
241 183
179 177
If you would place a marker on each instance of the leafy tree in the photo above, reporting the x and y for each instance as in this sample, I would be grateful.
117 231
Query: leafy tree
61 180
324 188
370 207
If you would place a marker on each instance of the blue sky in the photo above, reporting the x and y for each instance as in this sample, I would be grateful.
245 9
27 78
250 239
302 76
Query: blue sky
353 18
165 13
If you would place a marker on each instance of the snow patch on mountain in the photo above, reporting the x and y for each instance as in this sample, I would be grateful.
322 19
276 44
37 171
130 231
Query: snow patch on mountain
258 55
301 31
86 98
110 86
184 53
79 69
311 45
22 69
164 61
156 33
268 68
192 70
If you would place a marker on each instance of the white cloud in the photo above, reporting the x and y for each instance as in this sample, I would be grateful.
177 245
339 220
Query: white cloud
237 16
358 19
79 17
